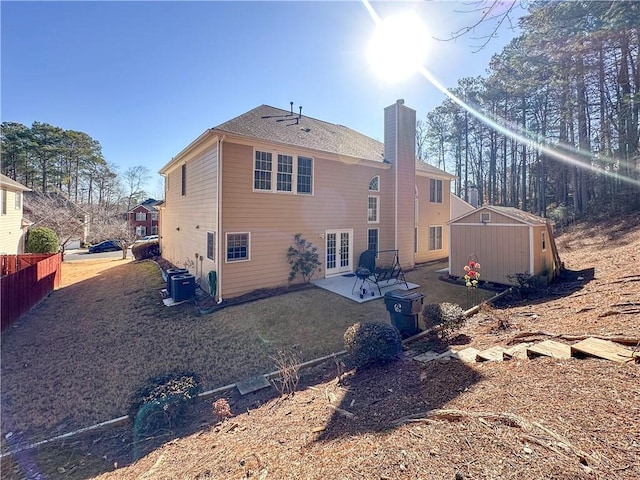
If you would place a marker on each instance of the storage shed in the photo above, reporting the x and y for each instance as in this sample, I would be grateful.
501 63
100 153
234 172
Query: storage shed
505 241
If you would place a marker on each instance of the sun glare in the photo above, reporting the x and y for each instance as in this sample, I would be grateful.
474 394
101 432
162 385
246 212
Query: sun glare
398 47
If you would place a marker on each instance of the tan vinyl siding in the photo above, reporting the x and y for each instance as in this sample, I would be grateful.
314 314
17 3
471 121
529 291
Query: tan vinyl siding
542 260
500 250
339 201
194 213
11 233
432 214
496 217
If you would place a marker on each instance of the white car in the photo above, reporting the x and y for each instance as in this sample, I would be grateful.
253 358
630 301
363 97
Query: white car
148 238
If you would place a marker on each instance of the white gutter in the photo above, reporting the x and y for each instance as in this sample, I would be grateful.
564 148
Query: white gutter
219 220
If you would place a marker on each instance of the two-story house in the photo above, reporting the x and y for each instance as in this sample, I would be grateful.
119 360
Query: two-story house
144 218
13 225
236 196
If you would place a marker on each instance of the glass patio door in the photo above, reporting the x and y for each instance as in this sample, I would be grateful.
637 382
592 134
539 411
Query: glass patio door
339 252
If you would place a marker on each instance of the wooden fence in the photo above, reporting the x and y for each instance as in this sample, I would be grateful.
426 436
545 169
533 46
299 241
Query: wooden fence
26 279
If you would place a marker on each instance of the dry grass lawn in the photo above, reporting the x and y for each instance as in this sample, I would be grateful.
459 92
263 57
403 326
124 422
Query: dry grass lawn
533 419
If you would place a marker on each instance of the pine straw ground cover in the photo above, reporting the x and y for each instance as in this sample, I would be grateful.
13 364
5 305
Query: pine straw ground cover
533 419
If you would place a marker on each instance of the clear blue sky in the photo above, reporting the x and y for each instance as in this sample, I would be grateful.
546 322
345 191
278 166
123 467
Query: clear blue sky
146 78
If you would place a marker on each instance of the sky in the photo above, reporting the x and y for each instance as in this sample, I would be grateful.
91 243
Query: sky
146 78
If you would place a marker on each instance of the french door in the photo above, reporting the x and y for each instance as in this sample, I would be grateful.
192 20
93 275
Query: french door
339 252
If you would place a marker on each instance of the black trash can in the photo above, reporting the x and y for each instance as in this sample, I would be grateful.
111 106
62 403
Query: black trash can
172 272
403 307
183 287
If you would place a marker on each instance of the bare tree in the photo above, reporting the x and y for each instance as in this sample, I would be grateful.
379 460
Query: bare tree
113 226
134 179
54 211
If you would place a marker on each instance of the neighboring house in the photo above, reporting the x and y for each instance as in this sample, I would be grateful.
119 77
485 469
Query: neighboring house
505 241
239 193
144 218
13 225
459 207
70 221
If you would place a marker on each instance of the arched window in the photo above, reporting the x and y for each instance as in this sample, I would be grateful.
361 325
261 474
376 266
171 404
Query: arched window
374 184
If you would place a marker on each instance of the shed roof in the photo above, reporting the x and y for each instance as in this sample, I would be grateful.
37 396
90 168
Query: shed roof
512 212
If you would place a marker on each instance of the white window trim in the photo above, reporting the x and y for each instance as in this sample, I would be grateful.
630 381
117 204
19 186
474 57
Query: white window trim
544 241
274 173
435 191
213 255
378 182
377 239
441 238
226 247
484 215
377 220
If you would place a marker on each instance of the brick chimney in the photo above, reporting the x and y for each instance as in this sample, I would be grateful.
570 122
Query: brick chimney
400 151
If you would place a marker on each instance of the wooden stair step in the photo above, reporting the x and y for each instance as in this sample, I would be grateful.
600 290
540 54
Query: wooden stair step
596 347
426 356
550 348
493 354
518 352
466 355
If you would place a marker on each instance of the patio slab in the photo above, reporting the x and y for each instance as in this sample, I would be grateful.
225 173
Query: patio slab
344 285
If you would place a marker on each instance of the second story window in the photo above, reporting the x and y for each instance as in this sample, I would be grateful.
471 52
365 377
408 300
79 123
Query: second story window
374 184
141 216
18 200
183 173
285 173
262 171
154 216
291 174
435 190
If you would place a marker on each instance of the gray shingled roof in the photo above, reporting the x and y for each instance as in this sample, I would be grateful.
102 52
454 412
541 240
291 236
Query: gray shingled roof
276 125
519 214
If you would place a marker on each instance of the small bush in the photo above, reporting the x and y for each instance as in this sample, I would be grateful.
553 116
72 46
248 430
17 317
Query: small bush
288 365
447 317
221 409
161 401
370 343
42 240
528 284
144 250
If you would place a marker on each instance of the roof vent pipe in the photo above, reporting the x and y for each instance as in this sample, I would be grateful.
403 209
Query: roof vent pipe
291 103
300 114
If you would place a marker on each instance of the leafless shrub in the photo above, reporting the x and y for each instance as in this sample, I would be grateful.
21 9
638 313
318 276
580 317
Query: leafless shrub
287 361
221 409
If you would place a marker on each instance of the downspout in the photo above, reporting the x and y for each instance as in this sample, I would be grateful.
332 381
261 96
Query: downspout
219 220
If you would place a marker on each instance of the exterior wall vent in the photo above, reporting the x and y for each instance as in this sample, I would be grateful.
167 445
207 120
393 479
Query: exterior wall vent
485 217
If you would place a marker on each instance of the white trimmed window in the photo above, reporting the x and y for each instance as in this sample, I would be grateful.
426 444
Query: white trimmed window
154 230
373 209
435 190
544 241
285 173
262 171
154 216
238 247
141 216
374 184
4 201
183 179
18 200
141 231
435 237
372 240
290 176
211 246
305 176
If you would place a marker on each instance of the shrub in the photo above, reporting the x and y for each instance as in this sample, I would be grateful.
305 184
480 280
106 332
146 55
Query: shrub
303 258
288 365
221 409
144 250
161 401
449 317
527 283
42 240
370 343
